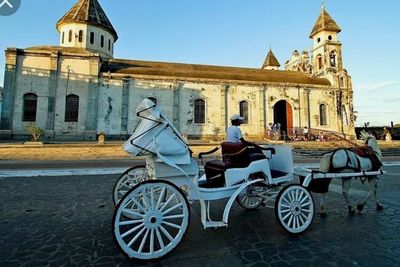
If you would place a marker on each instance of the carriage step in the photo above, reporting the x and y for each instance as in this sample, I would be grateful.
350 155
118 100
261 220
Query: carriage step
213 224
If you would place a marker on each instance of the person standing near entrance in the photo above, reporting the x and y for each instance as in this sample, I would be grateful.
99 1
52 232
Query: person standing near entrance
234 133
305 132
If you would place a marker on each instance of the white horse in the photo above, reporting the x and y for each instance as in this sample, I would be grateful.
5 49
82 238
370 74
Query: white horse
346 160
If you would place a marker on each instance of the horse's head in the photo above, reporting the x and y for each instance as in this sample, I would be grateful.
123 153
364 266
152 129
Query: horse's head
372 143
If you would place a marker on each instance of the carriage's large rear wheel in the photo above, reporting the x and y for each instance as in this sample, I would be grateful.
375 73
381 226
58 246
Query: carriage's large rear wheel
127 180
151 220
294 208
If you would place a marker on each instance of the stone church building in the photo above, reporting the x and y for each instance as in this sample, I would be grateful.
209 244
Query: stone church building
78 89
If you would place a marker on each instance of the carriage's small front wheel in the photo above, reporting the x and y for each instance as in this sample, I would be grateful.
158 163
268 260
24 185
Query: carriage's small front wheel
294 208
151 220
127 180
252 196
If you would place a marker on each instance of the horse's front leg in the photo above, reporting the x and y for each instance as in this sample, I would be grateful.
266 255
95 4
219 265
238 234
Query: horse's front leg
346 182
322 206
372 181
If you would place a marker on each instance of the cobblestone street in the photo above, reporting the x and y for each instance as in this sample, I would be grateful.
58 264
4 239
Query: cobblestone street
66 221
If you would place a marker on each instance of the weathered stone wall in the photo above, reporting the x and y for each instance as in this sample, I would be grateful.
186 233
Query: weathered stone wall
108 104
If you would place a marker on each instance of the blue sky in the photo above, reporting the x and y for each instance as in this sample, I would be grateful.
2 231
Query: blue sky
239 33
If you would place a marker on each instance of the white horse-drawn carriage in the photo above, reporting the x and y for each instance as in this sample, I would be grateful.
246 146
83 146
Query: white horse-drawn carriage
152 202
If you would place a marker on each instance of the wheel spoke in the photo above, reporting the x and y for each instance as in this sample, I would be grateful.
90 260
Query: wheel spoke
286 216
304 199
284 205
151 241
285 210
167 202
145 199
300 196
287 199
166 233
172 208
159 238
135 237
141 208
131 212
179 227
307 210
301 218
160 198
289 196
290 219
130 222
143 241
178 216
306 204
296 222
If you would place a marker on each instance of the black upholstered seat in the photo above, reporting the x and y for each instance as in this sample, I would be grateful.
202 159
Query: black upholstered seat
234 155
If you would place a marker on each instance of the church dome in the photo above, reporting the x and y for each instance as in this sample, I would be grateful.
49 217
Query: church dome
86 26
324 23
88 12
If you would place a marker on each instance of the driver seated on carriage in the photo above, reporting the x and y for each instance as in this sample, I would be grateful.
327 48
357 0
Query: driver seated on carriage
236 153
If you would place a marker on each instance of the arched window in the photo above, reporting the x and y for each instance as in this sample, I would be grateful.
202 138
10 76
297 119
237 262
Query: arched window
71 108
322 115
199 111
332 58
63 37
319 62
80 36
244 111
30 106
70 36
91 37
102 41
153 99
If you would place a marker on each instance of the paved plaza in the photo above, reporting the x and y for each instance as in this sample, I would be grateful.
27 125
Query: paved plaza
66 221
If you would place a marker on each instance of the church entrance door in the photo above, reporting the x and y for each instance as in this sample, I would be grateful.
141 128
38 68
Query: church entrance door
284 116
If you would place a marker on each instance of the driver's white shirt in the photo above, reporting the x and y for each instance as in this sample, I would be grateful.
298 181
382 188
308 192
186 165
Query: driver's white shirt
233 134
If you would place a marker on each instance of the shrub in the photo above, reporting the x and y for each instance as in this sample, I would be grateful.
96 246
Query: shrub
34 130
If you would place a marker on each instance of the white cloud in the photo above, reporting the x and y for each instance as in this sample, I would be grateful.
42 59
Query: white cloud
375 86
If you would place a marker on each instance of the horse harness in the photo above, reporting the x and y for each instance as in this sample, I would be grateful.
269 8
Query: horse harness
363 151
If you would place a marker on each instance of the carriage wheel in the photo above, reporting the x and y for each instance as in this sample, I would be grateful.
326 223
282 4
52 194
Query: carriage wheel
250 198
151 220
127 180
294 208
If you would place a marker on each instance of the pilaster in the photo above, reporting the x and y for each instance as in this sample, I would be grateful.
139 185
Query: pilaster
10 79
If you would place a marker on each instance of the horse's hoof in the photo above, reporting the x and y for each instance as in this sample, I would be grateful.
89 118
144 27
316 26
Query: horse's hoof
323 214
379 206
351 210
360 207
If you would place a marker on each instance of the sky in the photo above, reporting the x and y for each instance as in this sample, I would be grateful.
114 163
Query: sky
239 33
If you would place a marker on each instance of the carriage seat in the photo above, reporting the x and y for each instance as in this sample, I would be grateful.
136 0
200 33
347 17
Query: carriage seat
234 155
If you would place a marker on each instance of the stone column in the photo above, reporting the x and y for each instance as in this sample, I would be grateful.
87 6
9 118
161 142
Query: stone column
92 100
224 107
125 106
51 95
263 110
176 105
10 79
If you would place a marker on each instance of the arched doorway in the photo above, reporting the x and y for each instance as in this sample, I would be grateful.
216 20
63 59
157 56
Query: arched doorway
283 114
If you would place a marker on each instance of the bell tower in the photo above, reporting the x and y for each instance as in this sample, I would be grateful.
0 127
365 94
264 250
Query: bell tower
86 26
327 62
327 50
